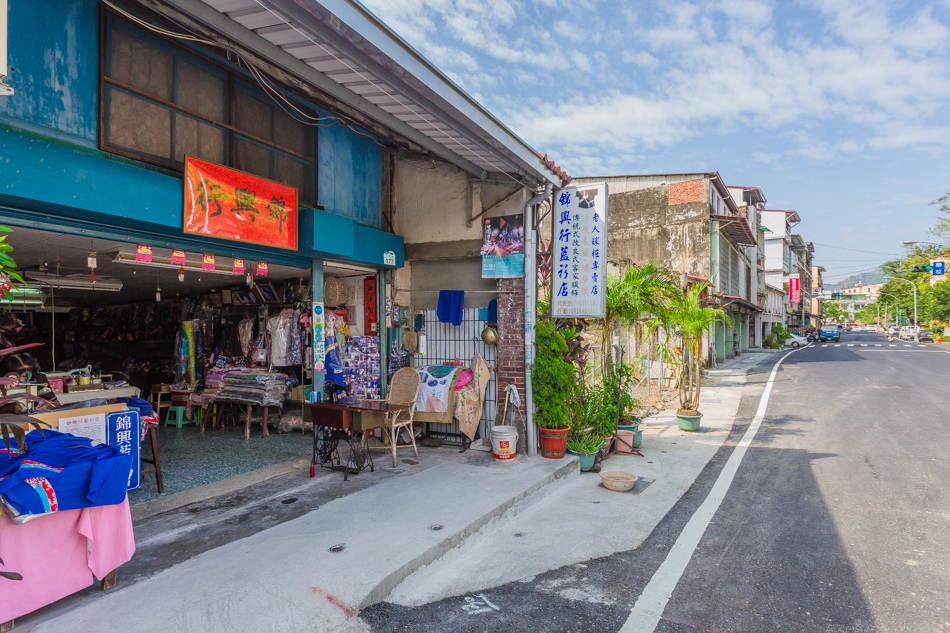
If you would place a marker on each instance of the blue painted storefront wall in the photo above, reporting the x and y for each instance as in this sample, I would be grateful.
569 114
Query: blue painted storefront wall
350 174
53 49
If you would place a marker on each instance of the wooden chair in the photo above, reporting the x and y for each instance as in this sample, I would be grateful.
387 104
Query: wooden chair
403 391
156 400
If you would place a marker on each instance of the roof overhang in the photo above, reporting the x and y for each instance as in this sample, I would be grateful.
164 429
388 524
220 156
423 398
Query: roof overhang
341 49
737 303
736 227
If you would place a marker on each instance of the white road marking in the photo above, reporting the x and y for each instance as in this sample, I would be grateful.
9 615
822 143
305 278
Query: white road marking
650 605
908 346
892 345
921 346
864 344
850 344
877 345
825 345
838 345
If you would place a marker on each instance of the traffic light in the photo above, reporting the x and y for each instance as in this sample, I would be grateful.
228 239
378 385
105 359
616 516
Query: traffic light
921 269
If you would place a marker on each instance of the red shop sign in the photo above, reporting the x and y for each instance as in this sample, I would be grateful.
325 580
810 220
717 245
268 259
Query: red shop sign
233 205
794 290
370 313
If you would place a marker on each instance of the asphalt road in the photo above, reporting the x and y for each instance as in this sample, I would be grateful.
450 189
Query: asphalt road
838 519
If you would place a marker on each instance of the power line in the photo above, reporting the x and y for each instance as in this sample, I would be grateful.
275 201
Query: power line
841 248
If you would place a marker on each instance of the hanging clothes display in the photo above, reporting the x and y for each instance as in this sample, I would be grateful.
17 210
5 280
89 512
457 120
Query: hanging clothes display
295 352
279 329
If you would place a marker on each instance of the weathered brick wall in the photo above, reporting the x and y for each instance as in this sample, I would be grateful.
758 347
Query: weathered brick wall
510 349
683 192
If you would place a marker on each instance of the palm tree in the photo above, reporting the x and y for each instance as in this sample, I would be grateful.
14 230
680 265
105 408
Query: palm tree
694 320
639 290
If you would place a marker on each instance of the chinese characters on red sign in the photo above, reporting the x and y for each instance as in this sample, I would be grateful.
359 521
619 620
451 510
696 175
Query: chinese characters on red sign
232 205
580 252
794 290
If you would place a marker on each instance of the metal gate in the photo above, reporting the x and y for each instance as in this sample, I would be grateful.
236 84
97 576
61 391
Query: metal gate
446 342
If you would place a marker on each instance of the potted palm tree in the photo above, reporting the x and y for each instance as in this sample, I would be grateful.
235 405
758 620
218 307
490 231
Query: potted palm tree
693 320
554 382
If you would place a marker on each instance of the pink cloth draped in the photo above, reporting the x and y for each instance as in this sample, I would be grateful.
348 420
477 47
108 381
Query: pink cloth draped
58 554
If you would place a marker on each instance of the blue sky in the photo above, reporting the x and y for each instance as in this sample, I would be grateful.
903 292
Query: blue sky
835 108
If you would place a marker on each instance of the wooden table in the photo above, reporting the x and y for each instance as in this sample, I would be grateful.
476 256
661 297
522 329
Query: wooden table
335 423
105 394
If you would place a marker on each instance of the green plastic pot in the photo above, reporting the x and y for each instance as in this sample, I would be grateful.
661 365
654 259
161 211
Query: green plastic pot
688 422
586 459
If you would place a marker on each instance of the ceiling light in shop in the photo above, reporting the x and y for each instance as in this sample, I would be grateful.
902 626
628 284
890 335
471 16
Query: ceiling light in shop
72 282
165 262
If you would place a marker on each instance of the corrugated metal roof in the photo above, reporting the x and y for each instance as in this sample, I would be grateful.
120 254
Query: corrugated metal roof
343 41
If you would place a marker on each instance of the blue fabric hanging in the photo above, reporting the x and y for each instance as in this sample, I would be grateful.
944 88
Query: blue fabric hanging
450 307
492 312
60 471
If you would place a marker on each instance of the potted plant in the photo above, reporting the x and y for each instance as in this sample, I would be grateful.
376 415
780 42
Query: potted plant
585 445
693 320
554 383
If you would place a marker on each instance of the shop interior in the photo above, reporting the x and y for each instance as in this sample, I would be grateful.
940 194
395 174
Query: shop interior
207 348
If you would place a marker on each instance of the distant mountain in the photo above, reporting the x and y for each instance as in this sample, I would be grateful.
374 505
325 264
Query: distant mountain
873 277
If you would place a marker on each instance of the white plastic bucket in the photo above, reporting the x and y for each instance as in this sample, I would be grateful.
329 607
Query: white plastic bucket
504 442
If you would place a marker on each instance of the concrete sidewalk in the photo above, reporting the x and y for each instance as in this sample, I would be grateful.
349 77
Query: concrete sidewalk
593 520
443 524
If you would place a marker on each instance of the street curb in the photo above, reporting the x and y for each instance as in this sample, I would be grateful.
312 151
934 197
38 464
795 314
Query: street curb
230 485
390 582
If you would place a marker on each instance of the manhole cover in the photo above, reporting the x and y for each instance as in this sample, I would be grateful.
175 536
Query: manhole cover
436 527
519 534
595 501
336 549
289 500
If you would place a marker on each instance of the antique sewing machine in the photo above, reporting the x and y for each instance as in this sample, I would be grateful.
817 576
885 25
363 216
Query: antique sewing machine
332 390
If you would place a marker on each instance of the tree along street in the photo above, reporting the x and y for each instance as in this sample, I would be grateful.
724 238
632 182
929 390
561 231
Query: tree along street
836 520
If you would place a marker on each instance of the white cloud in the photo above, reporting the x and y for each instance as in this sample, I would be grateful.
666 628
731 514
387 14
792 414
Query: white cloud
627 79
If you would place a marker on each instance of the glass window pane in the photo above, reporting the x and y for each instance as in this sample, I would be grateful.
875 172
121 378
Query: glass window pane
201 92
138 125
295 173
141 65
293 135
253 116
199 139
253 158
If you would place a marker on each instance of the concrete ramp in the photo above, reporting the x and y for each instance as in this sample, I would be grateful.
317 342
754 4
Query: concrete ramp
287 579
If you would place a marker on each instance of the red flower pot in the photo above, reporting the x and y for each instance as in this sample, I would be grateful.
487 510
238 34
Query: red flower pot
553 442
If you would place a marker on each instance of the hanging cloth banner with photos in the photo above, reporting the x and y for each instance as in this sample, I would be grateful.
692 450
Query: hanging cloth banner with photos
579 254
503 247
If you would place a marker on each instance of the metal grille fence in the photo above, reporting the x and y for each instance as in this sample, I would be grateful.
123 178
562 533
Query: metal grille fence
446 342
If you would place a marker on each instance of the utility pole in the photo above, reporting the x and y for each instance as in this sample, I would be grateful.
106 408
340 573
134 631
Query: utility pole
916 331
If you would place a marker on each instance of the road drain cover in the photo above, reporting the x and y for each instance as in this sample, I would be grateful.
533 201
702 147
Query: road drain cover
436 527
289 500
336 549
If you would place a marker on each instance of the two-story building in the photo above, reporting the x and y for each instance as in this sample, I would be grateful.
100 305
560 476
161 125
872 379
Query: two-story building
226 162
690 224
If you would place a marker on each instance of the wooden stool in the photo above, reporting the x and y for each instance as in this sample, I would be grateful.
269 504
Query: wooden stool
155 462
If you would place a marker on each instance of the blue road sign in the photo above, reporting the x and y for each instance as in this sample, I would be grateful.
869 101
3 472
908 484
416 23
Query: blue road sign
938 268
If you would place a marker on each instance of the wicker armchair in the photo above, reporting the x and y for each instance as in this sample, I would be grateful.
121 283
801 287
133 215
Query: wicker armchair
403 391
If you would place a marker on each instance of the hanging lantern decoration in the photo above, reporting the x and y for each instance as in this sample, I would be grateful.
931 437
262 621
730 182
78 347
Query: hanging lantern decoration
91 261
181 273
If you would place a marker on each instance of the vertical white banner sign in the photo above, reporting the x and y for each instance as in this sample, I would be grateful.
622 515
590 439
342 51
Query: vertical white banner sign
579 254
